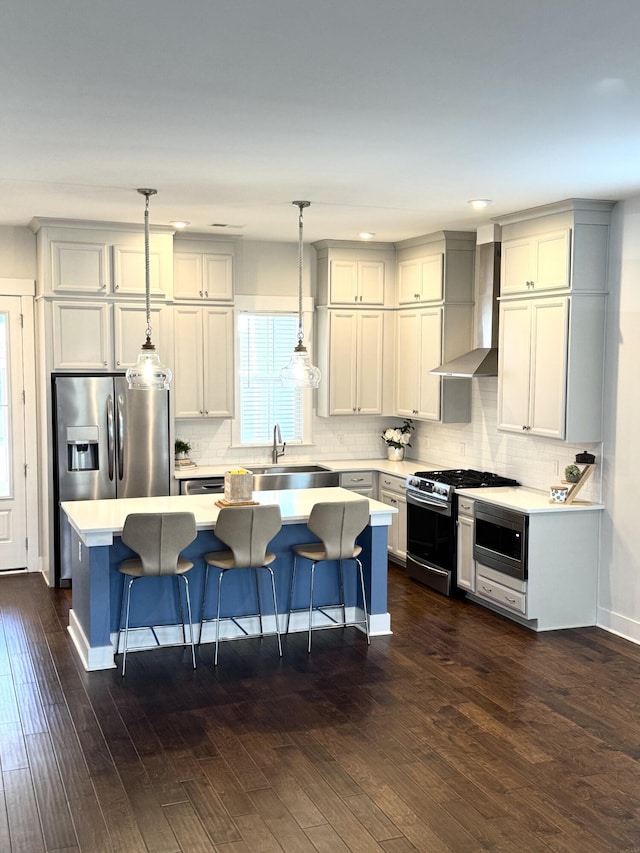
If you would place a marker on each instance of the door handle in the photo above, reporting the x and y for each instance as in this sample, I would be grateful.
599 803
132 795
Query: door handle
120 436
110 436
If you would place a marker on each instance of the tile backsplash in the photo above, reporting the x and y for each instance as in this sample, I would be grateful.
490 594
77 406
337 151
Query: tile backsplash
535 462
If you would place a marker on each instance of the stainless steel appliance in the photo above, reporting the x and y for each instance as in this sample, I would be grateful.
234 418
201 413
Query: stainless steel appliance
432 509
109 443
501 540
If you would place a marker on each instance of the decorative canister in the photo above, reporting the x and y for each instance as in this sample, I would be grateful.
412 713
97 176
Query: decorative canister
558 494
395 454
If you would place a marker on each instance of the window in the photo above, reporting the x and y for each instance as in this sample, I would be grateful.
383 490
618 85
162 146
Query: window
265 344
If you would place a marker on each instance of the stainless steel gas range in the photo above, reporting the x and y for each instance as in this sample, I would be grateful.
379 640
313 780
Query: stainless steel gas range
432 512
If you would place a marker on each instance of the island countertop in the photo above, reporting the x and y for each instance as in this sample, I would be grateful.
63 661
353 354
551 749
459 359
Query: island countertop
97 522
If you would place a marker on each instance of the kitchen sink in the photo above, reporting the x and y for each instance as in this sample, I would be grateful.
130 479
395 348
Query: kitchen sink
279 477
288 469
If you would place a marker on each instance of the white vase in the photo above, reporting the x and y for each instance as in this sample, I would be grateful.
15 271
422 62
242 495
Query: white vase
395 454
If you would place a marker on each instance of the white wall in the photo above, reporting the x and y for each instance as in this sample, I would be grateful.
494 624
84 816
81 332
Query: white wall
619 589
17 252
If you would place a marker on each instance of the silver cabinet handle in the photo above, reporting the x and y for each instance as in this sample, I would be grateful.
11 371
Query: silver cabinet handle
486 588
510 600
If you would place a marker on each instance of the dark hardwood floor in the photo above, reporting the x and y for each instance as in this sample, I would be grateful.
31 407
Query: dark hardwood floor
460 732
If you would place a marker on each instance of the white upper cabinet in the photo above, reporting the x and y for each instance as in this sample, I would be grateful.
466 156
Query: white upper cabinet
351 356
562 246
538 263
203 270
97 259
355 274
437 267
82 336
420 280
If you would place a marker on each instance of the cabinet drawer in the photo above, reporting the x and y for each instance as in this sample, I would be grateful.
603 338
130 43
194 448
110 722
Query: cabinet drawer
465 506
357 480
392 484
502 595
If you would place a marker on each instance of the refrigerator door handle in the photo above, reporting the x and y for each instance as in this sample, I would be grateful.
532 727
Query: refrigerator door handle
120 435
110 436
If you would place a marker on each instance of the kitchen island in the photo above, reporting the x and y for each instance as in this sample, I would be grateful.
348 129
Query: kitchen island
98 550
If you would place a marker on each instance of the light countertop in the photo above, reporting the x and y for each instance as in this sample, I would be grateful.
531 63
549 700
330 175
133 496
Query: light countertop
522 499
96 522
400 469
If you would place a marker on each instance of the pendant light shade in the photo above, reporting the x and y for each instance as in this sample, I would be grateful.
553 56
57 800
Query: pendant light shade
148 373
300 372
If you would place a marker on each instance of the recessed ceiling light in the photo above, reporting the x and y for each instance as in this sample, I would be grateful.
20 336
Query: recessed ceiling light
179 223
366 235
479 203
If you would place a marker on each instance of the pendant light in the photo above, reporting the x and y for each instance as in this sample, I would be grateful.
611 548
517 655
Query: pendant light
300 372
148 373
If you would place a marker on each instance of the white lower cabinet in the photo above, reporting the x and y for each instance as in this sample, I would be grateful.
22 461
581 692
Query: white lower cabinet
392 491
203 376
466 574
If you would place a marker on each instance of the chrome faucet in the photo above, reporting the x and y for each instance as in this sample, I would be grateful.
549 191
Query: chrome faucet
277 439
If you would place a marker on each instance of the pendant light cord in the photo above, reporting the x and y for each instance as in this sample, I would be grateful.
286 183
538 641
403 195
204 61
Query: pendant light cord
147 265
300 205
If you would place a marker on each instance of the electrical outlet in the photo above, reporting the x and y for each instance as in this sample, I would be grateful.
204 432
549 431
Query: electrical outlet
340 437
556 468
195 444
463 448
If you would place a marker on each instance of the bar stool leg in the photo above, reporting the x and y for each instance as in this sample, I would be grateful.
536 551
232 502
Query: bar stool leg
275 607
344 609
204 598
220 576
364 601
258 601
188 598
313 567
293 578
126 626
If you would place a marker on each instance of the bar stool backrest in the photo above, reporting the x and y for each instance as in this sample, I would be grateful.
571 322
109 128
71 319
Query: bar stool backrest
247 530
158 538
337 525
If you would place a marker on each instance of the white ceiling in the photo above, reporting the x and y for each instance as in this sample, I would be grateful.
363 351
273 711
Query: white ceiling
387 116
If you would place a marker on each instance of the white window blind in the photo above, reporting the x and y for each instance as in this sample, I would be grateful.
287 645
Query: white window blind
265 344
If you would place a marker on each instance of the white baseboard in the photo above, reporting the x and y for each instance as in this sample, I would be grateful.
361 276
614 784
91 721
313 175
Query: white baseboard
92 657
616 623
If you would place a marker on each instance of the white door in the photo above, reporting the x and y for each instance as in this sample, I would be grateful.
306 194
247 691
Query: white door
13 484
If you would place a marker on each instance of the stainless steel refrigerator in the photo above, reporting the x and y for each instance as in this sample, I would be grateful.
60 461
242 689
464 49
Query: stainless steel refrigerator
110 442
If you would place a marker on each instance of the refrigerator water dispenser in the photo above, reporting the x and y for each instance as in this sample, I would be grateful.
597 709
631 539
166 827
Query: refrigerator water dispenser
82 448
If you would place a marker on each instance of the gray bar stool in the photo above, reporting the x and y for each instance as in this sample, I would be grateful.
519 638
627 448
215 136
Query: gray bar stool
336 525
157 538
247 531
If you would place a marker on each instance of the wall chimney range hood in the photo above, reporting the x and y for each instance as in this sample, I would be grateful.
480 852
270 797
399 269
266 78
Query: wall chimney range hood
483 360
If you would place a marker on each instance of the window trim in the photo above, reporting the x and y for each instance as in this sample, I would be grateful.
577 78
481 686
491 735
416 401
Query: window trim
274 305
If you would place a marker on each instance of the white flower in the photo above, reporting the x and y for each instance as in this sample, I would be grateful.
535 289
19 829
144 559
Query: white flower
404 438
388 434
397 435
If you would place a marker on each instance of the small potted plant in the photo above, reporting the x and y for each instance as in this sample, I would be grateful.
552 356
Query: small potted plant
572 473
397 438
181 448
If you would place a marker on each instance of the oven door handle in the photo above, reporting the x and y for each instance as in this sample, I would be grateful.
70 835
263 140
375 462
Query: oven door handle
437 506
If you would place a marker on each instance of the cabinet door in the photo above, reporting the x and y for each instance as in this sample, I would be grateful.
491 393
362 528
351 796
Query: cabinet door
516 265
549 329
409 282
369 363
130 323
466 565
407 363
79 267
343 363
371 282
188 360
187 275
431 277
552 260
129 274
82 336
430 356
217 277
514 365
390 499
218 362
344 282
